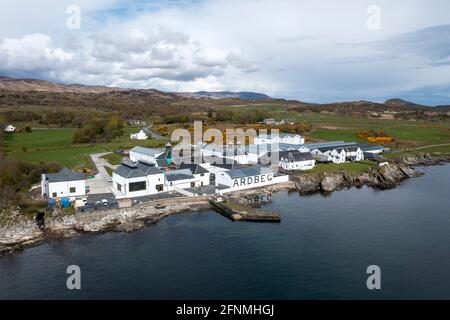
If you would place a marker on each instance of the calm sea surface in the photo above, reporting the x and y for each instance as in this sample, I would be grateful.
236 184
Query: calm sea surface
321 249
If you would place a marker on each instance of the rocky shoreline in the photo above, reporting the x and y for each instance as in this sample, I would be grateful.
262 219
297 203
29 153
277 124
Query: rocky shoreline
16 237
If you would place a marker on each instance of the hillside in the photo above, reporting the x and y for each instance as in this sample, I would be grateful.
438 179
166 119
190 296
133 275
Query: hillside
243 95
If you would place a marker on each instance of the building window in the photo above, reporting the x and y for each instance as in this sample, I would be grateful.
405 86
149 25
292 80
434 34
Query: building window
202 174
192 184
119 187
73 190
159 187
54 195
137 186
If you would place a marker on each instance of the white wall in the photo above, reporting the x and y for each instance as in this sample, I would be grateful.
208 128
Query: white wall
223 178
62 189
298 165
135 157
151 182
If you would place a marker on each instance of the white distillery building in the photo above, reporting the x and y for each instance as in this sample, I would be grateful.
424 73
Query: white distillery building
329 155
200 172
137 180
296 160
144 154
181 179
247 178
287 138
141 135
65 183
10 128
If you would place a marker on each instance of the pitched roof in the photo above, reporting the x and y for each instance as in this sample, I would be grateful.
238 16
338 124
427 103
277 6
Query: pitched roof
147 151
195 168
295 156
249 171
134 170
181 174
65 175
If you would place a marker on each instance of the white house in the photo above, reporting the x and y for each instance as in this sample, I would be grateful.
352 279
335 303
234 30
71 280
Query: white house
201 174
335 155
65 183
141 135
10 128
144 154
296 160
247 178
354 153
287 138
137 180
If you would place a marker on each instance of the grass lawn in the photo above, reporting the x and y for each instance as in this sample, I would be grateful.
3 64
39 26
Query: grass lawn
350 167
109 170
55 146
113 158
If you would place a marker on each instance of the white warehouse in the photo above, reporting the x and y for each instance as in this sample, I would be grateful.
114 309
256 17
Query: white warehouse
65 183
247 178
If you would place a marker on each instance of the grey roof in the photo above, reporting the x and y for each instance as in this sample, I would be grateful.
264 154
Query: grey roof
295 155
134 170
147 151
329 144
249 171
195 168
65 175
368 147
179 175
229 166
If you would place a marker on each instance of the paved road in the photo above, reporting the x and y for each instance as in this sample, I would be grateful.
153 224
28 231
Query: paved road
424 147
101 183
154 134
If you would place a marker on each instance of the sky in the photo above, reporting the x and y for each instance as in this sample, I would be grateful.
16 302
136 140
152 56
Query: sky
308 50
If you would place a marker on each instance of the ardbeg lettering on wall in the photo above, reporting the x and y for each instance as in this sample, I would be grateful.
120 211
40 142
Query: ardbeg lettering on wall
247 181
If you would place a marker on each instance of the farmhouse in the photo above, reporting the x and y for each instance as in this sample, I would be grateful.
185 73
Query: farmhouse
10 128
286 138
247 178
137 180
65 183
327 154
296 160
141 135
353 153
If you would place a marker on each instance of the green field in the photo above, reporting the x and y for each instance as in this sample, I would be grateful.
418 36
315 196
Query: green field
350 167
332 126
55 146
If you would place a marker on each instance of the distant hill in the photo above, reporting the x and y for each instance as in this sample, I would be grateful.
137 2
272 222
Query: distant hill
243 95
400 103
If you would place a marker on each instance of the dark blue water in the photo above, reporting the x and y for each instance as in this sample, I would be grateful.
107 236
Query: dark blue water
320 250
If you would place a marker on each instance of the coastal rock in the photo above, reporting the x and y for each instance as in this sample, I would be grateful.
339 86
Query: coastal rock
307 182
332 181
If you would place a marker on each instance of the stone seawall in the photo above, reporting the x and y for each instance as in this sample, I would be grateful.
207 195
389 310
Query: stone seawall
25 233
